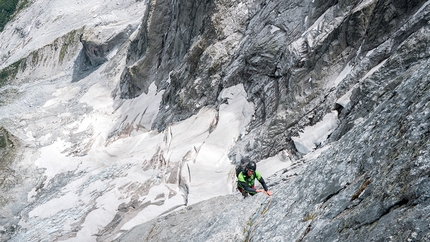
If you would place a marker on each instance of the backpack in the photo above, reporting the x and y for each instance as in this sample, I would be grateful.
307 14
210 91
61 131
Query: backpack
242 166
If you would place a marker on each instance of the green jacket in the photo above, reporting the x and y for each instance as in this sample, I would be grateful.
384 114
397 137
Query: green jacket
246 183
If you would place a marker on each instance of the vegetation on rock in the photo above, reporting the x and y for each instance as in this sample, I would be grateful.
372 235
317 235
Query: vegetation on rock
7 9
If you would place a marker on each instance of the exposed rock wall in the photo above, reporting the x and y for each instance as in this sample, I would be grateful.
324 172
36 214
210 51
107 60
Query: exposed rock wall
367 60
166 36
373 182
360 64
285 53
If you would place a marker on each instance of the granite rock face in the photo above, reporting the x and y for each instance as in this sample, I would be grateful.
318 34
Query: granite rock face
285 53
340 89
299 61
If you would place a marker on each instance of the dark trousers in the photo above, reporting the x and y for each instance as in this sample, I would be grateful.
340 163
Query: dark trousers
244 193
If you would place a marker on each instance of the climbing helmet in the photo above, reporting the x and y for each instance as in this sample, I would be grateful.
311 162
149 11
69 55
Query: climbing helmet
251 166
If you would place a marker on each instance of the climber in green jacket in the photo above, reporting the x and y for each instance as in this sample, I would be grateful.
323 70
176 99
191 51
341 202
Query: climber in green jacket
246 179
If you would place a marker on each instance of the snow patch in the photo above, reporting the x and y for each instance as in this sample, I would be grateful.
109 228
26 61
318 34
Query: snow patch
422 7
363 5
373 70
141 111
345 99
212 160
313 136
271 165
342 74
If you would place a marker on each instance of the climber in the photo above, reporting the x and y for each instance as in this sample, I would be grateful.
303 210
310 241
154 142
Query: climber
246 179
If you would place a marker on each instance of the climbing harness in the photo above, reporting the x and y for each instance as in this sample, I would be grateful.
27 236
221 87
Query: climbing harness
257 217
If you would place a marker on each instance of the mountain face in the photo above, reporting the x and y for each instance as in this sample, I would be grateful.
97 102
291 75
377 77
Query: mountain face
121 121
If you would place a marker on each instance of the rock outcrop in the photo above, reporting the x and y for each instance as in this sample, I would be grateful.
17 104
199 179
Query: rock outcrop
299 61
339 90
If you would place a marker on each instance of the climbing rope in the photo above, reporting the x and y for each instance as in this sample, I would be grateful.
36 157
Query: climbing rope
257 217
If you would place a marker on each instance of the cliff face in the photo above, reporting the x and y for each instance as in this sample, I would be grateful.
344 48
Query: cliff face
296 59
145 116
363 62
